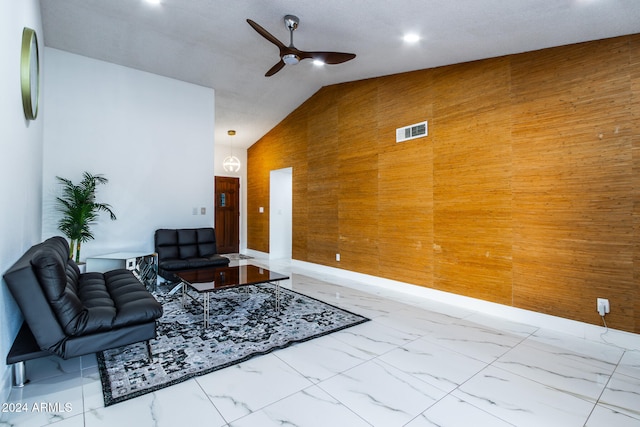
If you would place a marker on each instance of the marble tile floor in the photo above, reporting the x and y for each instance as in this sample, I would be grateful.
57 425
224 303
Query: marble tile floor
415 364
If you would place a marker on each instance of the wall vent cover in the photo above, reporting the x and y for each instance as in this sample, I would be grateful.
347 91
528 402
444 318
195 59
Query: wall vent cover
417 130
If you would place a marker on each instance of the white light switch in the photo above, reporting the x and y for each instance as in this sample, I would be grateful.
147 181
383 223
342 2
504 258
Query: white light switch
261 209
203 211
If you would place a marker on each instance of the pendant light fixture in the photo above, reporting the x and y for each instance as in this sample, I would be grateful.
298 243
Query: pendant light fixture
231 163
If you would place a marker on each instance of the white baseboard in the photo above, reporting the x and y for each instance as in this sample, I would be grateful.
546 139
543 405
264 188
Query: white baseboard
375 284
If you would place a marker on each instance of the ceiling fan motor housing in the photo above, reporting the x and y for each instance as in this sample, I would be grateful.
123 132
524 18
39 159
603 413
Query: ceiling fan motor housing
291 22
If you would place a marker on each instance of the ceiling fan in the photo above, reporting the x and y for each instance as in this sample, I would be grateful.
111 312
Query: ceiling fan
289 55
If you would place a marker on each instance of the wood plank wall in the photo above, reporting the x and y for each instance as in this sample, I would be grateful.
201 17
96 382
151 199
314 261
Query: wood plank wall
526 191
634 48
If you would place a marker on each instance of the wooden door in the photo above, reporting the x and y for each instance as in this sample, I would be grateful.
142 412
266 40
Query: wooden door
227 214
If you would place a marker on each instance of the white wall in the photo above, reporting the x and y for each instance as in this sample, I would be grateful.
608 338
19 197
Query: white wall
151 136
20 165
223 150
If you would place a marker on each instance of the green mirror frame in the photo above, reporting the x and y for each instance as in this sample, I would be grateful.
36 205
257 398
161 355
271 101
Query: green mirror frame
30 73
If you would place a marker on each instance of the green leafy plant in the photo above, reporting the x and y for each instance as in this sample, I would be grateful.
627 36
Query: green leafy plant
80 210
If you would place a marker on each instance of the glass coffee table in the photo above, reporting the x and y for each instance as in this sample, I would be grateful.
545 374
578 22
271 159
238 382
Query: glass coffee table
208 280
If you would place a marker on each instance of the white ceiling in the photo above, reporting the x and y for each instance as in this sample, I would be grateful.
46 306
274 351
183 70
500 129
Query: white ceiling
209 43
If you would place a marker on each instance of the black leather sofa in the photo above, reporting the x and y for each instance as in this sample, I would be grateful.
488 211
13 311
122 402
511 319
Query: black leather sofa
70 314
186 249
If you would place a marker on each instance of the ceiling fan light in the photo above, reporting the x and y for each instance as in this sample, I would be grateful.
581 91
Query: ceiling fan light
318 62
290 59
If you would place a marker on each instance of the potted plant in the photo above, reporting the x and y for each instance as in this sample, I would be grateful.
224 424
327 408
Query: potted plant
80 210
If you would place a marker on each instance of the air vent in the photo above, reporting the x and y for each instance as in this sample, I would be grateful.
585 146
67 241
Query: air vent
412 132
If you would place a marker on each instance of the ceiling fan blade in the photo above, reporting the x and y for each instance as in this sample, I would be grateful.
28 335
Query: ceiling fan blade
264 33
275 69
328 57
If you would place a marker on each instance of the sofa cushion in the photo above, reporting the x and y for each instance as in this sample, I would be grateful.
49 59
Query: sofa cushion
167 244
213 261
187 243
114 299
174 264
50 271
134 304
206 242
59 285
98 306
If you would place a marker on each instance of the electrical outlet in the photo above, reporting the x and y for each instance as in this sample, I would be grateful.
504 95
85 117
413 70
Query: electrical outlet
602 305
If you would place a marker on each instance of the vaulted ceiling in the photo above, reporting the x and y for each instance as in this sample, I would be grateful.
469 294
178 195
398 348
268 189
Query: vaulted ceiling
209 43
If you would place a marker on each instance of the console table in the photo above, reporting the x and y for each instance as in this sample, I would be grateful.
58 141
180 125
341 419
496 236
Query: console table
144 265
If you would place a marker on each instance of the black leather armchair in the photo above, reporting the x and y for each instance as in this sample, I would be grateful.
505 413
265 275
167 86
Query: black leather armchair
186 249
70 314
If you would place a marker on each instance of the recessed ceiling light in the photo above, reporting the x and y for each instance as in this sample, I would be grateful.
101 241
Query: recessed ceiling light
411 38
153 1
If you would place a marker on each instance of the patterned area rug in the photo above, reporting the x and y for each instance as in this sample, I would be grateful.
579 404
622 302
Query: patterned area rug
243 324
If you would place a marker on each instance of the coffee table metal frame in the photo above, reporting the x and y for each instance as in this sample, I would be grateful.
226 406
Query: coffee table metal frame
204 282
